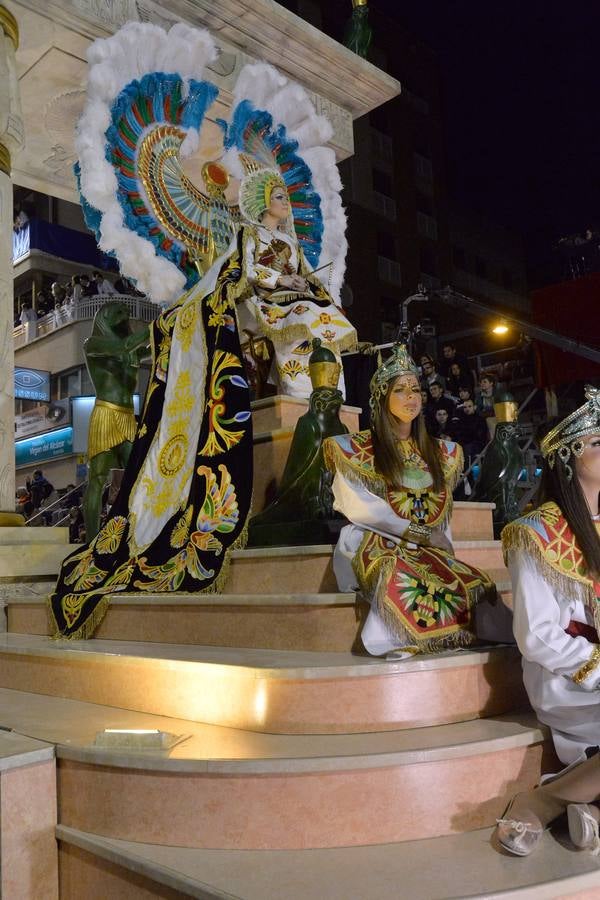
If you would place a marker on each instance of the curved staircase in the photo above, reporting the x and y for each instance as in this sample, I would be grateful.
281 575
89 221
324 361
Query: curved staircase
297 769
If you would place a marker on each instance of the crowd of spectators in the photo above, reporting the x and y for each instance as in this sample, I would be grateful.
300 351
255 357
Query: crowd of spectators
41 504
455 406
62 299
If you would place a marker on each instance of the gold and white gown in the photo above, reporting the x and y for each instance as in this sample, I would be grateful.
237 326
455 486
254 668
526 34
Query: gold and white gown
290 319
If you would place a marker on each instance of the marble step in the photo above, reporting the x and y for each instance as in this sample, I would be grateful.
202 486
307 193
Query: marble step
225 788
265 570
24 537
28 854
318 622
282 411
259 570
293 692
455 867
33 560
309 569
314 622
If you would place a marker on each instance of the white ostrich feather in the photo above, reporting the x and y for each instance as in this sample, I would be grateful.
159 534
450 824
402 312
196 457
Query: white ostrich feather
134 51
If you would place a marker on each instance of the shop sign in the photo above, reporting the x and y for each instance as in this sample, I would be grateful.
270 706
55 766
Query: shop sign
44 447
37 421
32 384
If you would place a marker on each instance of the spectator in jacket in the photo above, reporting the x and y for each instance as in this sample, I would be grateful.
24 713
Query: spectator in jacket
449 356
487 389
430 372
40 488
436 401
470 430
457 378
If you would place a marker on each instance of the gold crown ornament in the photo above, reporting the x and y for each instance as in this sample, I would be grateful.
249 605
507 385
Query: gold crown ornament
398 363
567 437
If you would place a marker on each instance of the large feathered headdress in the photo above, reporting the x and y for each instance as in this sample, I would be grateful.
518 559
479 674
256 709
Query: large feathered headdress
146 105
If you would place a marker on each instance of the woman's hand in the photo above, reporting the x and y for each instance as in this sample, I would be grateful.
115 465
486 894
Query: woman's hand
438 539
287 281
300 283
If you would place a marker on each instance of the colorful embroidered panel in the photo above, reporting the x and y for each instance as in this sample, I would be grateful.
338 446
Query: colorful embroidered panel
425 596
546 534
417 501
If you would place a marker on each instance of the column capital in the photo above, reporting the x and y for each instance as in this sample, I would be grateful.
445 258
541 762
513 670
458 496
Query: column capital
4 160
9 25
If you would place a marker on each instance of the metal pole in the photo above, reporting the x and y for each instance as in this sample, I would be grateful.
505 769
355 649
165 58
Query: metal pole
477 308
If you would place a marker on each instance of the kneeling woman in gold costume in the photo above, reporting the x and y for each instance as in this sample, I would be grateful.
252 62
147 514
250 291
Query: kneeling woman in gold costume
394 483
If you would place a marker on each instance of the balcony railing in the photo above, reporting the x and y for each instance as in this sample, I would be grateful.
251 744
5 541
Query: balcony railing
389 270
384 205
140 309
427 226
382 145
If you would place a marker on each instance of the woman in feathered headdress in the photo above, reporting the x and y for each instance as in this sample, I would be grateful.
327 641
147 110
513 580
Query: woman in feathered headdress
394 483
283 300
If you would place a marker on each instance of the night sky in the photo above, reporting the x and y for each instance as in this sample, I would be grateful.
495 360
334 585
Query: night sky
522 108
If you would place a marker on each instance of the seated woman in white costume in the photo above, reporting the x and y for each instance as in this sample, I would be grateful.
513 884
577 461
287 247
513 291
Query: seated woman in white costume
553 555
283 300
394 483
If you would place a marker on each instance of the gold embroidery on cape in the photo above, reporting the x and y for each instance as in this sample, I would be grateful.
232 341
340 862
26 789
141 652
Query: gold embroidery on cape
186 321
172 455
220 437
109 537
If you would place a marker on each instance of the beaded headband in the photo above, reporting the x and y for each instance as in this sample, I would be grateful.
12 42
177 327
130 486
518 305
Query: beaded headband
568 435
399 363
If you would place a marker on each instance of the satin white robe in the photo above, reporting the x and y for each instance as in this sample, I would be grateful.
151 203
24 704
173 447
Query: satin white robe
551 657
289 371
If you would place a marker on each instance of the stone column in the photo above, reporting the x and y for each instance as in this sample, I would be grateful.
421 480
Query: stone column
11 140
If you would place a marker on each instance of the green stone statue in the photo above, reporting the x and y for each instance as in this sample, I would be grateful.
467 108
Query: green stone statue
359 34
112 354
302 512
502 465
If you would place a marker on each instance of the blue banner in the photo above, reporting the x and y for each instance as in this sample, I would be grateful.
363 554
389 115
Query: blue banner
44 446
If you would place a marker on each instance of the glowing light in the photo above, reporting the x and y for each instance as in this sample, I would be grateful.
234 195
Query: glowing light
261 703
500 328
131 731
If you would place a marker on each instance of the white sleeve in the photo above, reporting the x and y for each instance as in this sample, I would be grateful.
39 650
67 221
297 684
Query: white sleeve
537 628
366 509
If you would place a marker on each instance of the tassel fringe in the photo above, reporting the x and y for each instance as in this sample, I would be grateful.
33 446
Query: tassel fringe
516 537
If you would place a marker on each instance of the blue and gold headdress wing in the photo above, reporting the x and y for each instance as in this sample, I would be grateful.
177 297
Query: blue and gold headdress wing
275 127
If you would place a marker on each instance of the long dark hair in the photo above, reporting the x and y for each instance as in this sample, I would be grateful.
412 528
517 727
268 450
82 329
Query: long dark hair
555 485
388 462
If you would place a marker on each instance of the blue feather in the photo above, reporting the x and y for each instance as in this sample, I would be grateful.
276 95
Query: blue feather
252 131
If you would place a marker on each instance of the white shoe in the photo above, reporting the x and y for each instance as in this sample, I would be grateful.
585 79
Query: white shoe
583 827
519 838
